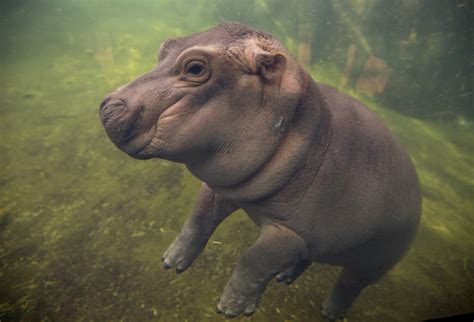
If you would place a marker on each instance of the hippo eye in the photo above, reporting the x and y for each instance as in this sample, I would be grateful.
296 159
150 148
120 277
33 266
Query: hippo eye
195 69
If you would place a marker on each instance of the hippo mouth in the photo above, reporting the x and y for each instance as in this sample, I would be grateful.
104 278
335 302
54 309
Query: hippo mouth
139 147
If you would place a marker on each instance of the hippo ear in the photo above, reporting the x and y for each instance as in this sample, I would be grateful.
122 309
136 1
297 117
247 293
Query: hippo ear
270 66
165 47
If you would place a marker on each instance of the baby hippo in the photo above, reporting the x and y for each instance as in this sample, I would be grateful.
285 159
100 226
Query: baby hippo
316 170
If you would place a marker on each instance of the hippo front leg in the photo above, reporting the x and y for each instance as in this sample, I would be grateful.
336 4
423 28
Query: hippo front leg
209 211
277 249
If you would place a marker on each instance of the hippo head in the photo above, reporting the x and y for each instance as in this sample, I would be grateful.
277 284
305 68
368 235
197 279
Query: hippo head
219 101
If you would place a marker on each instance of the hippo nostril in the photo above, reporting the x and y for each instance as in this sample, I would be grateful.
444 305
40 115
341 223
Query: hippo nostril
105 101
108 103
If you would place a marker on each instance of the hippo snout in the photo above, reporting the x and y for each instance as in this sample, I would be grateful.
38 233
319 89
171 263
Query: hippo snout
120 122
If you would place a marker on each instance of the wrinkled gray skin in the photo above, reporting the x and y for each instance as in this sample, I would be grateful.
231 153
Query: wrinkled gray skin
316 170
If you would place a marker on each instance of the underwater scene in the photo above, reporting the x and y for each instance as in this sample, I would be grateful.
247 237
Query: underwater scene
83 226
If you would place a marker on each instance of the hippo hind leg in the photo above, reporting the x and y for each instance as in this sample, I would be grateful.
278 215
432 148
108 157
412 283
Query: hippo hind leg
365 266
348 287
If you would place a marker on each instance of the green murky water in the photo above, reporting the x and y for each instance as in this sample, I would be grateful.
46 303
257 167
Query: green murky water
83 226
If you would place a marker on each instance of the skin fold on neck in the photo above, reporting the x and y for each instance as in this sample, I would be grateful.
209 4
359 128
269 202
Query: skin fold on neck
307 136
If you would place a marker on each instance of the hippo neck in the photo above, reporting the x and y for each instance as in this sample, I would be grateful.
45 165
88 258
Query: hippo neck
306 139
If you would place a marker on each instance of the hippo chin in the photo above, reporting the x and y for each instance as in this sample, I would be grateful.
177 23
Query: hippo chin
316 170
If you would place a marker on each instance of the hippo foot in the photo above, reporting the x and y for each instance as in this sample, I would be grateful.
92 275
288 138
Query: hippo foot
291 274
286 276
182 253
332 313
233 303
